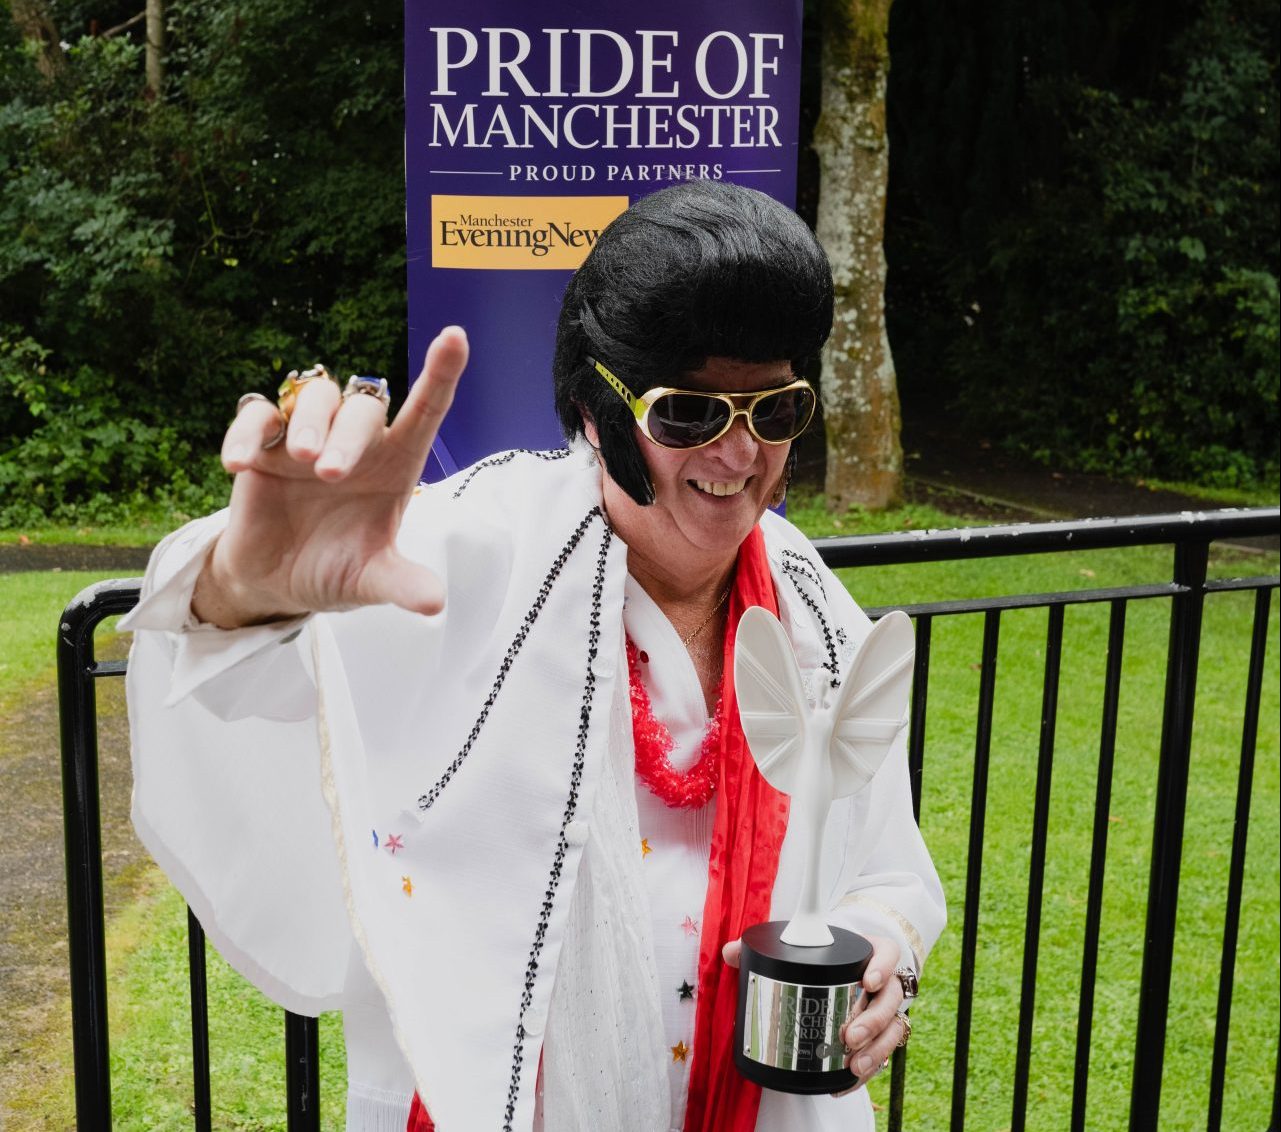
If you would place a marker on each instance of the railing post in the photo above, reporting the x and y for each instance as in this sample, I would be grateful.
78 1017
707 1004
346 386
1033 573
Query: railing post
1236 870
302 1073
1098 863
915 770
202 1103
1036 866
78 724
1190 560
974 866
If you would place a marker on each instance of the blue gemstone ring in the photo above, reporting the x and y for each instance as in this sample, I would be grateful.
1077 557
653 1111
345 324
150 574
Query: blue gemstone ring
369 386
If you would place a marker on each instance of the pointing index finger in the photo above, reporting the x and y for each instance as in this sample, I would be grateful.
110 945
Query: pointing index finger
429 400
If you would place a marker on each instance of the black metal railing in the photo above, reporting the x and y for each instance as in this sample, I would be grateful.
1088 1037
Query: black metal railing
1186 589
1191 536
78 672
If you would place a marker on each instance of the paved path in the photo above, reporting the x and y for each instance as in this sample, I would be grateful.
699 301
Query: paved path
939 458
967 473
130 561
35 1018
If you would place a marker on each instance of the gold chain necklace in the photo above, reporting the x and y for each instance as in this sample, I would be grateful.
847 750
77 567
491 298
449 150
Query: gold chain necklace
686 641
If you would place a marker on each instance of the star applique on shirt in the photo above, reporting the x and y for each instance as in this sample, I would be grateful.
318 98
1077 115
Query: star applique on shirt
645 849
690 925
680 1051
685 991
393 843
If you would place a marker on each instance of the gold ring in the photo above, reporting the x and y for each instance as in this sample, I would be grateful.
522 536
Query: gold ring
907 1029
287 394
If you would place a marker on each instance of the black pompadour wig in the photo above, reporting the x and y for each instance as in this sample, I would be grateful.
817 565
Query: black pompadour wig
703 269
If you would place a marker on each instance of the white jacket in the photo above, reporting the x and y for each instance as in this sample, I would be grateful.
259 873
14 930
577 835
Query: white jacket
273 766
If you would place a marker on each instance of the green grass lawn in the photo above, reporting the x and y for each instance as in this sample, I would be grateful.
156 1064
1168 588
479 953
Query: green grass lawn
30 605
149 1019
151 1061
140 524
139 532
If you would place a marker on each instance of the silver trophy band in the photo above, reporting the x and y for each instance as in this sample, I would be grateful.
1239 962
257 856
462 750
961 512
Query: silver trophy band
790 1026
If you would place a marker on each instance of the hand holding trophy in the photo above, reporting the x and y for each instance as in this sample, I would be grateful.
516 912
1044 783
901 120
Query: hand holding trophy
798 979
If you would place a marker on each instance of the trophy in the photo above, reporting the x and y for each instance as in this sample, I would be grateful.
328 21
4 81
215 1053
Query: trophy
799 979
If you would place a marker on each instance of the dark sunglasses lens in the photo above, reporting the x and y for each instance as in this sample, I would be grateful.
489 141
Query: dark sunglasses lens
783 415
686 420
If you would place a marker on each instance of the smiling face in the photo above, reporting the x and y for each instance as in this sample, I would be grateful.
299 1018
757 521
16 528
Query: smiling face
706 500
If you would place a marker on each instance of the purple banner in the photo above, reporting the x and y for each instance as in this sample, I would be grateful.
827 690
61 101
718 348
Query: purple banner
528 127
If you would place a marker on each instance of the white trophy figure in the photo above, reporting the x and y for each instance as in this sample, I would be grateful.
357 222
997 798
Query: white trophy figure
798 980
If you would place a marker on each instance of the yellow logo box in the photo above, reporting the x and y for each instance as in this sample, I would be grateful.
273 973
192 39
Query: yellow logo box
517 233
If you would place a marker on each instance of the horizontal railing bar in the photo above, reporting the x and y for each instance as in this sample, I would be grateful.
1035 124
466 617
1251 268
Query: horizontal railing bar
1222 585
1030 601
1070 597
96 603
1042 538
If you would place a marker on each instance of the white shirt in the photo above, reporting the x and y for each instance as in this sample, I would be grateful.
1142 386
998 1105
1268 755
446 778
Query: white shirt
677 841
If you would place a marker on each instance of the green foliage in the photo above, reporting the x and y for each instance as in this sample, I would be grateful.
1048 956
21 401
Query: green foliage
158 257
151 1070
90 458
1082 233
1109 302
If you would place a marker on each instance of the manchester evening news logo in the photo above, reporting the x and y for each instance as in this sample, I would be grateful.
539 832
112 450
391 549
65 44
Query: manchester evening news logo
518 233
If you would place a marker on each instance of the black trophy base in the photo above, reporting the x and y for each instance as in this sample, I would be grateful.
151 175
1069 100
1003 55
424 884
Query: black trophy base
792 1003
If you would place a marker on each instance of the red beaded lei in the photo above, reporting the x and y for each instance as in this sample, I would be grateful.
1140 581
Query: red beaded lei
690 789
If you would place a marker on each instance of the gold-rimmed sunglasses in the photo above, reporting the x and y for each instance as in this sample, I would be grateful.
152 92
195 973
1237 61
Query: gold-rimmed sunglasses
691 418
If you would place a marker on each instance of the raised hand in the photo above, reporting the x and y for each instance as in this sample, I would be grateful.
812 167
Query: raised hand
314 519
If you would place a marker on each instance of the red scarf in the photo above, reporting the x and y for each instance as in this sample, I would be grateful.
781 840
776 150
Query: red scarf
419 1118
751 818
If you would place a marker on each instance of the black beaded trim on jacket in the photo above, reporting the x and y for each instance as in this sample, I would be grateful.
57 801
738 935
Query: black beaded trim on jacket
806 568
427 800
507 458
832 665
562 842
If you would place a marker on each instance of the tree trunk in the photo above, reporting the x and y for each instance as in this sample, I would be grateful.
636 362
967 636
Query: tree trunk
155 58
35 24
860 397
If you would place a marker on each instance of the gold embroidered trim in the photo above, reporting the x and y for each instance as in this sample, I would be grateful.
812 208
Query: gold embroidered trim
914 939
